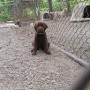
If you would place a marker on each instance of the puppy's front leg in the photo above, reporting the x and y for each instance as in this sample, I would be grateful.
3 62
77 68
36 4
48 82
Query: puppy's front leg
46 46
34 50
34 44
47 51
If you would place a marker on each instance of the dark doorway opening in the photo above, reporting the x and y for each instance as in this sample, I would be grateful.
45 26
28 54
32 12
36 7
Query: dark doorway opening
86 13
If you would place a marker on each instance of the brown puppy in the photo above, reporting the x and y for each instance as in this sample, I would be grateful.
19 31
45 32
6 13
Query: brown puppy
40 39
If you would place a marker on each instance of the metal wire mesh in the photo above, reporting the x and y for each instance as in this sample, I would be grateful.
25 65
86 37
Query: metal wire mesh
71 36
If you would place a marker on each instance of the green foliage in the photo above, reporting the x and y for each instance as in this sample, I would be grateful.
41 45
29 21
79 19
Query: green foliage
5 10
58 5
43 5
27 12
5 17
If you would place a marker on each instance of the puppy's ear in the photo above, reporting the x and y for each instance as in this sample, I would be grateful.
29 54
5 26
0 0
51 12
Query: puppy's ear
45 26
35 26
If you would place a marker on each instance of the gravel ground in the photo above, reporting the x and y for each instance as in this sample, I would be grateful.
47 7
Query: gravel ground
19 70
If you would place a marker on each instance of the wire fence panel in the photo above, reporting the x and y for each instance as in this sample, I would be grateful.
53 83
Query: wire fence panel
73 36
17 10
25 10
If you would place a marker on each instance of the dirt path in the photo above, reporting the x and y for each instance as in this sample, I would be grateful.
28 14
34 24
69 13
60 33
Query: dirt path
19 70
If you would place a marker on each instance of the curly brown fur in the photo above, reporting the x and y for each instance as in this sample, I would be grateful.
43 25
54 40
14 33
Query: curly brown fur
40 39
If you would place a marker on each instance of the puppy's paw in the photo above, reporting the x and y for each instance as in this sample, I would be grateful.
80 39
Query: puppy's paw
32 50
34 53
48 52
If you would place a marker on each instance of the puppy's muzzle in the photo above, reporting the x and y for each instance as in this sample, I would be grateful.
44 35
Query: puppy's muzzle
40 30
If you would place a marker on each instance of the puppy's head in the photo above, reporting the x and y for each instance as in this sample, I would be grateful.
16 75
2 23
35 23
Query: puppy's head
40 27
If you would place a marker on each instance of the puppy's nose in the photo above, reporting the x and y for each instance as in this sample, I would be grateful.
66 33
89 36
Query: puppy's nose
40 30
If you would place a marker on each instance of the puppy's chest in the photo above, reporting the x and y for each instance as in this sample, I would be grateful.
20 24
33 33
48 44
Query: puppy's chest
40 38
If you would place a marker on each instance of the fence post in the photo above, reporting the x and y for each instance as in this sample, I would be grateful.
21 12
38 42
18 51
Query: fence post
21 10
82 81
37 8
50 9
68 5
18 10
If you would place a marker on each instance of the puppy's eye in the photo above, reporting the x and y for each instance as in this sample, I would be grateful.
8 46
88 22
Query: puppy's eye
45 26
